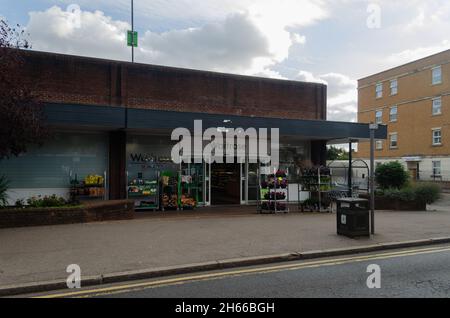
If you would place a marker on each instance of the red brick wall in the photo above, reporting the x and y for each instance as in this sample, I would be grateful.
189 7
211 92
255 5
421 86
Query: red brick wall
78 80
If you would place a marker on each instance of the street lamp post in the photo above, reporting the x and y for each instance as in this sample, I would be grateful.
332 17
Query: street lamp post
132 31
373 128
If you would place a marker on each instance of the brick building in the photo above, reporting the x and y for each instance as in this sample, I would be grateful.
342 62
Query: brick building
414 101
114 120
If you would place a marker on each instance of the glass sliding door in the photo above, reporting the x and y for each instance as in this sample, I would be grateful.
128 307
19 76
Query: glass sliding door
207 184
252 183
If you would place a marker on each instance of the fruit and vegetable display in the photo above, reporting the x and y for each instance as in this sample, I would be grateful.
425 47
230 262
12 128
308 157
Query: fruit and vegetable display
92 180
169 201
188 202
92 187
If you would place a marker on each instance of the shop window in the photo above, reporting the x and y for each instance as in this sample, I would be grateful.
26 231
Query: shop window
437 137
394 87
393 116
437 106
63 158
437 75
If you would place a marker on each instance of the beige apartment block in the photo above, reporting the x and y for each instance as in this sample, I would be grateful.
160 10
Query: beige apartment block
414 101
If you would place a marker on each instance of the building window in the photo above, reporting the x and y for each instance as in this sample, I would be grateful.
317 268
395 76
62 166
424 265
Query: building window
379 145
379 90
437 171
394 87
437 75
437 137
437 106
393 141
379 117
393 115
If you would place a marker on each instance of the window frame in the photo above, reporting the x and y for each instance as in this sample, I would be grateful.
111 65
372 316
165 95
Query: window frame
435 168
392 87
381 117
434 130
390 140
379 145
379 93
433 75
433 106
396 114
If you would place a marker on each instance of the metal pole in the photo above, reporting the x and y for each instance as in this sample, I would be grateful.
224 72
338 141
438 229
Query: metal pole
372 180
350 160
132 31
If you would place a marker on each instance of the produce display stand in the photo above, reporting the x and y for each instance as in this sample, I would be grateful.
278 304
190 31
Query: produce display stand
316 181
189 192
91 188
273 192
145 192
170 190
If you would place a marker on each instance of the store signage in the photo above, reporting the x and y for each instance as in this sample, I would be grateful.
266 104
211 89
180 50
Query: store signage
230 143
146 158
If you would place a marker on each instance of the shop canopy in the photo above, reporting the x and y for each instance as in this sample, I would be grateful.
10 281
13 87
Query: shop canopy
158 121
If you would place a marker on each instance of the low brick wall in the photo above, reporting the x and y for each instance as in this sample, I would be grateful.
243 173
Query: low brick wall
89 212
382 203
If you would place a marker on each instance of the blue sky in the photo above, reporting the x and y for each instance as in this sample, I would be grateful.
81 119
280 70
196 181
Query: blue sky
326 41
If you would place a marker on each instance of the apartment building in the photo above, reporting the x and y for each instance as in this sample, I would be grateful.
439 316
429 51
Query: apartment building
414 101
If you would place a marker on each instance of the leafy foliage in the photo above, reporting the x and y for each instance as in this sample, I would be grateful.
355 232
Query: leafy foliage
334 153
427 192
391 175
47 202
424 193
21 114
4 184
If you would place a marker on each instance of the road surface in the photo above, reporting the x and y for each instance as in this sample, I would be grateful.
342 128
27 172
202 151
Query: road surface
415 272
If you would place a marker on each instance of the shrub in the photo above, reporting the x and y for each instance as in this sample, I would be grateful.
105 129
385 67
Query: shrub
427 193
47 202
405 194
4 184
424 193
391 175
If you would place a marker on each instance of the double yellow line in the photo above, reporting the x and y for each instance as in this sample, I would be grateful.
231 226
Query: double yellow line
260 270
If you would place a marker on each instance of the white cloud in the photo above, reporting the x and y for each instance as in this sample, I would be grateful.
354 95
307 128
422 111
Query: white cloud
342 94
246 36
410 55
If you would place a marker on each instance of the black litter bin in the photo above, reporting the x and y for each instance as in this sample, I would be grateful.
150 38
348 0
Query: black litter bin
353 217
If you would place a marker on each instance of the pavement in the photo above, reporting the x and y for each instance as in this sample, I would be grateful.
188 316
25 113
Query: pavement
39 254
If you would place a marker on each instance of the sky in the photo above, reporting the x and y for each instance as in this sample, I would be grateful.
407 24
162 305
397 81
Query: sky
335 42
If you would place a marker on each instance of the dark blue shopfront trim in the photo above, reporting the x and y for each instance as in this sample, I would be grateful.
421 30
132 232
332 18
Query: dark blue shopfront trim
147 120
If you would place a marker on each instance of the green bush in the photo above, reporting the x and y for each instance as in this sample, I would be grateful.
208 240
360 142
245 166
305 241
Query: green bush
427 193
4 185
47 202
391 175
405 194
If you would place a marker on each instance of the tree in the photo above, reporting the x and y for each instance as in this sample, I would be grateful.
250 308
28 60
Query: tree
391 175
21 113
334 153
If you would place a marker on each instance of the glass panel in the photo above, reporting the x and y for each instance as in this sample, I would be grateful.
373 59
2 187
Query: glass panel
52 165
252 182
